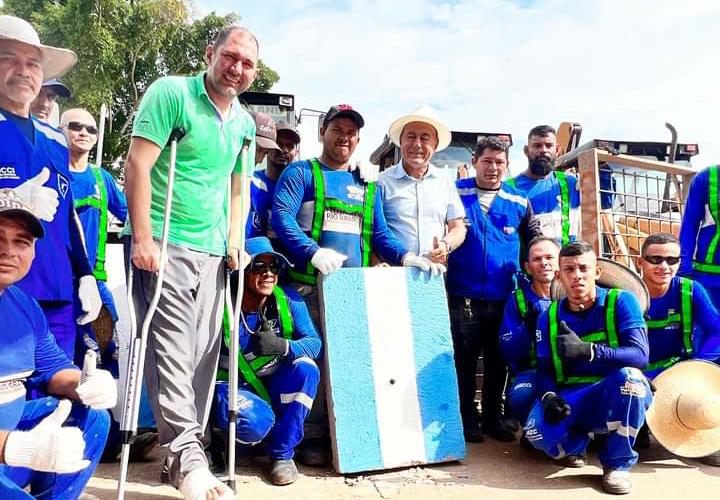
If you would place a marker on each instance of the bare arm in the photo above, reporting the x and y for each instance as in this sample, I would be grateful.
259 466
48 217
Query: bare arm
64 383
453 239
141 158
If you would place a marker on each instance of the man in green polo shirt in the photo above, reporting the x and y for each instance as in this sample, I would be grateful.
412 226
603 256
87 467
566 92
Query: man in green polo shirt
184 342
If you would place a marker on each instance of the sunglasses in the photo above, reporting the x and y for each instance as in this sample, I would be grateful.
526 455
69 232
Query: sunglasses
260 267
656 260
77 127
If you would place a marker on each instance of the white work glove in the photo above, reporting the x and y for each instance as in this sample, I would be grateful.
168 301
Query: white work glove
42 201
412 260
48 447
90 301
327 260
368 172
97 388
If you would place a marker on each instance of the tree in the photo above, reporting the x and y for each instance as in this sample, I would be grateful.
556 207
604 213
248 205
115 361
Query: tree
122 47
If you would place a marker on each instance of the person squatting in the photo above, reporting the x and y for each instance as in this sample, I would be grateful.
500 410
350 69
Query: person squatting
575 367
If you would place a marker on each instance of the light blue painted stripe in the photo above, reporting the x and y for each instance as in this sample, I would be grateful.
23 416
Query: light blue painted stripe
436 378
347 348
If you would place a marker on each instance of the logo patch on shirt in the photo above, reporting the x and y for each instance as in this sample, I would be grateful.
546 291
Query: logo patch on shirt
636 389
356 193
63 185
508 230
8 173
341 222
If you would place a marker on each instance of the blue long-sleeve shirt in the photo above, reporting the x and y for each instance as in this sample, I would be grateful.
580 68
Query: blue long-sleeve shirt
292 216
632 350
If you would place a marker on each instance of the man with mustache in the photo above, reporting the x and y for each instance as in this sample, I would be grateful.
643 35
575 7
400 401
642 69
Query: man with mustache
554 196
34 163
42 107
682 320
591 348
184 344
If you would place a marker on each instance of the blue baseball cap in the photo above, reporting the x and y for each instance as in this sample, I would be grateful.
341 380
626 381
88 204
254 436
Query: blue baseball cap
59 87
260 245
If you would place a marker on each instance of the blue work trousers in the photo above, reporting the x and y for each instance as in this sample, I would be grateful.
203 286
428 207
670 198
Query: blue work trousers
522 395
292 389
47 485
615 406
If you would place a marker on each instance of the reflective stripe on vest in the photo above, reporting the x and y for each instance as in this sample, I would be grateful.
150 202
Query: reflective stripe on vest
249 369
706 265
684 318
100 204
608 336
564 204
522 306
366 212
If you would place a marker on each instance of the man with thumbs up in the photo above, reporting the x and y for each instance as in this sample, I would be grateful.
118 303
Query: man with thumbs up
34 163
36 450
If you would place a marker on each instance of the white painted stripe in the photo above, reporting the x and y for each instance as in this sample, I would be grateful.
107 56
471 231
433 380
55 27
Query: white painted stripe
628 431
513 198
297 397
393 363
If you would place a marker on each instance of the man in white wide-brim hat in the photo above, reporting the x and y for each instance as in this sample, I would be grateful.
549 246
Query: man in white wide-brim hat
685 414
421 204
34 163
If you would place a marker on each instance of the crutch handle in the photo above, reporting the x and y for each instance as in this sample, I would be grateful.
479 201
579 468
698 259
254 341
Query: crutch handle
176 135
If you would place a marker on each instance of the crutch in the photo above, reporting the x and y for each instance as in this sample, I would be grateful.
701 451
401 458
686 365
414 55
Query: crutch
101 135
138 342
234 348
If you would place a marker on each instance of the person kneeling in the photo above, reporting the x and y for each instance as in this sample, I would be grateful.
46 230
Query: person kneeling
591 348
36 450
276 363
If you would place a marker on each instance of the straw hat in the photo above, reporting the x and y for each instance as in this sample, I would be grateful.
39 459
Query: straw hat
613 275
424 114
55 61
685 414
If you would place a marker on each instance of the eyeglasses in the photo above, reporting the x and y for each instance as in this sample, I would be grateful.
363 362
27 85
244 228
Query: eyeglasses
656 260
78 126
260 267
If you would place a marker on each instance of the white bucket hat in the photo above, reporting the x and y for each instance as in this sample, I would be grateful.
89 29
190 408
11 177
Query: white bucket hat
424 114
55 61
685 414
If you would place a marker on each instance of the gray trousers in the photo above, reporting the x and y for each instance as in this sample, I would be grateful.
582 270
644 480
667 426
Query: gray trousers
182 352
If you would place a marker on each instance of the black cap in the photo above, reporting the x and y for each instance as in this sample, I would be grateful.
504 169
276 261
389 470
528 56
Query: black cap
288 127
59 87
343 111
12 207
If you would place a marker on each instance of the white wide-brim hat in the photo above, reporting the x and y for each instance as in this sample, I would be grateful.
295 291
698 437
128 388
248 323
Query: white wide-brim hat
685 414
614 275
424 114
55 61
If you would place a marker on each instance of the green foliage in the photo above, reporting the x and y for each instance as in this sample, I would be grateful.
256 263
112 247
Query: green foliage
123 46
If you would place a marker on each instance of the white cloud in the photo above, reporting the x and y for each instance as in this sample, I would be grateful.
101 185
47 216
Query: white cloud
620 68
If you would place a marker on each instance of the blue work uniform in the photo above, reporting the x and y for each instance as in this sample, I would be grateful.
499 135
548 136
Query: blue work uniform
274 395
349 219
608 395
480 278
700 232
262 192
517 346
555 200
31 357
682 324
60 256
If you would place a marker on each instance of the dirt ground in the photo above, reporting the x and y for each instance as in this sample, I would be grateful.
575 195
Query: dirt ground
491 470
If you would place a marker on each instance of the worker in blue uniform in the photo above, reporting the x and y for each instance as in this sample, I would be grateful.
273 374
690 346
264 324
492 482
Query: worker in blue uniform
700 232
553 195
279 346
34 162
682 320
517 333
480 279
591 348
39 456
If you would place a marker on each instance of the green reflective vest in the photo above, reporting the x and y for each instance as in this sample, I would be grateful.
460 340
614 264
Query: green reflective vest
366 212
608 336
249 369
522 305
100 203
684 318
706 264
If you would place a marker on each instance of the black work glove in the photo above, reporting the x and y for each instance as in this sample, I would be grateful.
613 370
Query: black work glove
267 343
555 408
571 347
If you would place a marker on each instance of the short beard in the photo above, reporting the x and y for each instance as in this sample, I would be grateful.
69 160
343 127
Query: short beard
541 165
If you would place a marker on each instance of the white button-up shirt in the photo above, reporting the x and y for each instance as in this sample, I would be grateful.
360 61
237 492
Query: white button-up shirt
419 209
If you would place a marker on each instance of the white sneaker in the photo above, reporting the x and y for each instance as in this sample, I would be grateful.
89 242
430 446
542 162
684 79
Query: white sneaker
616 482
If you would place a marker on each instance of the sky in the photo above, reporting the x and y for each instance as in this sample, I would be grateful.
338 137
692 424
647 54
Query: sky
621 69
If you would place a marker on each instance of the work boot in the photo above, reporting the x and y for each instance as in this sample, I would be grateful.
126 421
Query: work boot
473 434
142 445
499 432
314 452
642 441
283 472
616 482
712 459
572 461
